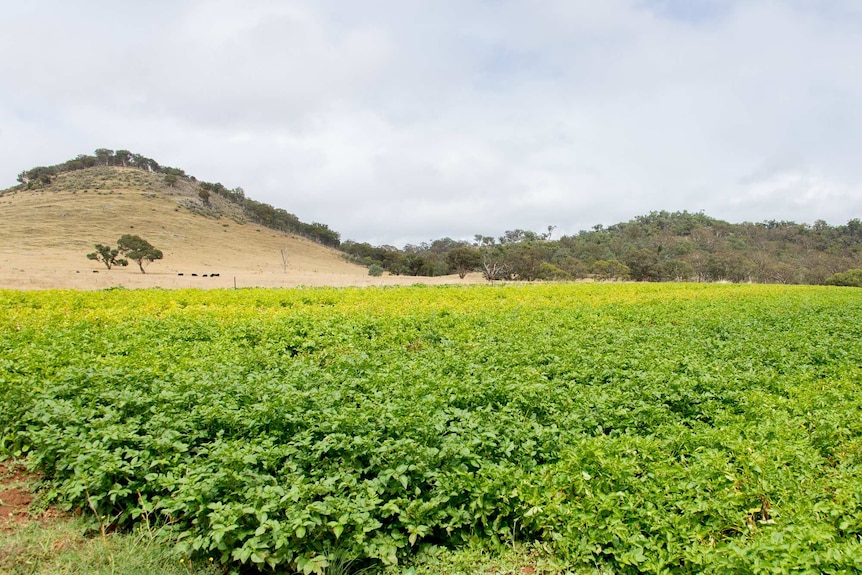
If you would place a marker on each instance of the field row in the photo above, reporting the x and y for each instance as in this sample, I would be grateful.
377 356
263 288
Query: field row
637 428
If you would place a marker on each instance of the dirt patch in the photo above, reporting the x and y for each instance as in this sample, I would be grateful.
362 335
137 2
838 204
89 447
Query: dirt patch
14 506
16 497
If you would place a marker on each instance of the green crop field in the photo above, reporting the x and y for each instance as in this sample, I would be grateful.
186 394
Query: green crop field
631 428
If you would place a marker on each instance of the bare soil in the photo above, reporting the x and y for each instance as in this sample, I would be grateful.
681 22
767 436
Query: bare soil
16 497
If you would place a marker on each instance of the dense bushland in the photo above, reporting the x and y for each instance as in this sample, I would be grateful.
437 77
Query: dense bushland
660 246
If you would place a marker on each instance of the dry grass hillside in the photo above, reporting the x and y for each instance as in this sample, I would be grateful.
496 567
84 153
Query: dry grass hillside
46 234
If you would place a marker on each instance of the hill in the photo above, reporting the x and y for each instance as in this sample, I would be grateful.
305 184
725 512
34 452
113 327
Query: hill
58 213
49 229
660 246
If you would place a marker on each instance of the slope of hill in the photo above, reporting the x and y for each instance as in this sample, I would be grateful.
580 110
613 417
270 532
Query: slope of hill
48 231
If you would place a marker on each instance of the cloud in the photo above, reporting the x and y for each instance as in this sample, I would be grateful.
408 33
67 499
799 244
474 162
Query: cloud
787 192
703 11
399 122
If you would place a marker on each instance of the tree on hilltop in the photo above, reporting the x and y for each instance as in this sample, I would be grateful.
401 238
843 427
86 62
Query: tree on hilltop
138 250
122 158
104 156
108 256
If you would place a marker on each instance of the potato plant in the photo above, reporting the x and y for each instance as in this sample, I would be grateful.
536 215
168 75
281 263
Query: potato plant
668 428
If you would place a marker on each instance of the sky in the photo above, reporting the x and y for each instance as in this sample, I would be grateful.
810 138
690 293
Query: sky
403 121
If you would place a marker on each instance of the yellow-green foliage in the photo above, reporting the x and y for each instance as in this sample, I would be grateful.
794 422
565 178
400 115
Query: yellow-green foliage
629 428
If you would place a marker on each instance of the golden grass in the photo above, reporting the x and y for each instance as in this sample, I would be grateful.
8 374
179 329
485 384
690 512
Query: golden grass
47 233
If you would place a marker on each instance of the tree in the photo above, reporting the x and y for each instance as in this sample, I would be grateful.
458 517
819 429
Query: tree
108 256
643 265
204 195
320 233
138 250
414 264
123 157
493 269
610 270
170 180
677 270
524 261
574 267
140 162
104 155
463 260
518 236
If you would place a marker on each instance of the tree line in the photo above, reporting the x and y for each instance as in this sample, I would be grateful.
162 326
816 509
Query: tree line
43 175
660 246
271 217
257 212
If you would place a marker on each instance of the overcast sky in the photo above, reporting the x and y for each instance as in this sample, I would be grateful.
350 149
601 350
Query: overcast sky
397 121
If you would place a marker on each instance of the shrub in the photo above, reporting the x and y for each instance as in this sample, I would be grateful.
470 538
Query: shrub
375 270
850 278
548 271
